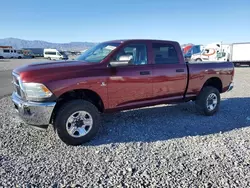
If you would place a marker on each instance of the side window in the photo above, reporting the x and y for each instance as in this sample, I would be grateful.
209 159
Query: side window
165 54
6 51
137 51
196 49
50 53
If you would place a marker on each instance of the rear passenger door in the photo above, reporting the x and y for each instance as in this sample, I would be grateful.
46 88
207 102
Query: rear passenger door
169 74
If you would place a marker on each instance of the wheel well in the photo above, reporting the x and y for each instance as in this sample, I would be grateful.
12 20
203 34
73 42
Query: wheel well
85 94
214 82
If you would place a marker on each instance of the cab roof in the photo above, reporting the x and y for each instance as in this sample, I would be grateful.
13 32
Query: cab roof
131 40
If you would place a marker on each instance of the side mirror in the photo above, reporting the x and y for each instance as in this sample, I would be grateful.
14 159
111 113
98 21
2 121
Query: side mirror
123 61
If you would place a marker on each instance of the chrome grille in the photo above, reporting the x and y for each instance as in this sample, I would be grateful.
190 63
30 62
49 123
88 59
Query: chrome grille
16 85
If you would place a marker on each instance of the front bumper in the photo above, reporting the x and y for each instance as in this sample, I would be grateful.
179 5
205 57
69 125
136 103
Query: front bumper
33 113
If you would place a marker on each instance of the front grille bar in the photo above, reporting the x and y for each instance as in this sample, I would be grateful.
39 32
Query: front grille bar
17 86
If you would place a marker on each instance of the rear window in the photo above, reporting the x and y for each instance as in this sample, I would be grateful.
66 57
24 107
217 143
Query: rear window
165 54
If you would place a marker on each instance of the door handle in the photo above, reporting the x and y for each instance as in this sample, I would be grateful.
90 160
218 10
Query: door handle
179 70
145 73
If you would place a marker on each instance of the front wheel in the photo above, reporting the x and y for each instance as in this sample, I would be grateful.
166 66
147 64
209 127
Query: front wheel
77 122
208 101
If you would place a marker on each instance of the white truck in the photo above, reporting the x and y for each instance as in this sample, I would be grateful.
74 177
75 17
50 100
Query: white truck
237 53
7 53
240 54
213 52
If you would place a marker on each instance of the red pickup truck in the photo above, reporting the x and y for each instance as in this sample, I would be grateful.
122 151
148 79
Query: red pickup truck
113 76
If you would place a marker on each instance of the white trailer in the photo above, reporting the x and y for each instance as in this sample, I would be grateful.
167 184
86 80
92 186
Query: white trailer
240 54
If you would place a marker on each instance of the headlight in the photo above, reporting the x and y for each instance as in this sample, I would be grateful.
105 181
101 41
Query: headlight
36 91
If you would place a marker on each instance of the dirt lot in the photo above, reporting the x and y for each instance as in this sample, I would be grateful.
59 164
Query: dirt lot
162 146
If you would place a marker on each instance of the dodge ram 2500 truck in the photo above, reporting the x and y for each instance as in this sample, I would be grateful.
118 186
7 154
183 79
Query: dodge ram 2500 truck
113 76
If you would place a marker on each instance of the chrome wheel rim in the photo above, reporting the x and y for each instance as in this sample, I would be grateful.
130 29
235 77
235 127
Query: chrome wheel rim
79 124
212 101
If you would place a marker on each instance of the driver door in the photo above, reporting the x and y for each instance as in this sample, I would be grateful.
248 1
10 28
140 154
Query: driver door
130 84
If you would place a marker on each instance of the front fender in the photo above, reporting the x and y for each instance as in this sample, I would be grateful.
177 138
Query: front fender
98 86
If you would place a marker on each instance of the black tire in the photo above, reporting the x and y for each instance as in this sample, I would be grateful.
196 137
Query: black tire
19 57
201 101
49 58
66 111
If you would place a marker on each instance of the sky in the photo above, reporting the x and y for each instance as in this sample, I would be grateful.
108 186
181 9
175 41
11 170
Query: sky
192 21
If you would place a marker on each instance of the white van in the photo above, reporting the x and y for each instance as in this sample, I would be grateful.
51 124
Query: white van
52 54
7 53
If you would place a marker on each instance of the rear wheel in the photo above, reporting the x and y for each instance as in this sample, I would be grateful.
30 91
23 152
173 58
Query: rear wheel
208 101
77 122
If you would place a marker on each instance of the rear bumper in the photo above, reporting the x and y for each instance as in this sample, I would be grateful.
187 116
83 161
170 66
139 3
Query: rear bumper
231 86
33 113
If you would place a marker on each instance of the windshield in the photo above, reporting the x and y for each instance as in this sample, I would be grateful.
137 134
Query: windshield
98 52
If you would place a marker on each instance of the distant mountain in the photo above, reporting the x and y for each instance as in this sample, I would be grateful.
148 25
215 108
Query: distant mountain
20 43
73 46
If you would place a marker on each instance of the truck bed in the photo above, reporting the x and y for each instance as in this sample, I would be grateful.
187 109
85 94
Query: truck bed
199 73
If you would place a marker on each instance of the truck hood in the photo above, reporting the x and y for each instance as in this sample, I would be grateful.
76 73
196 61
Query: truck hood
46 71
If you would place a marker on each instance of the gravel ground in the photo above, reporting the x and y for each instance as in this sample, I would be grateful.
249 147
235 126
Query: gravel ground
164 146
